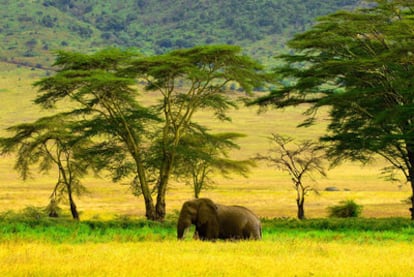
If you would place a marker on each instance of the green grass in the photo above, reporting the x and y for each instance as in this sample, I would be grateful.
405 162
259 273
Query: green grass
32 225
367 230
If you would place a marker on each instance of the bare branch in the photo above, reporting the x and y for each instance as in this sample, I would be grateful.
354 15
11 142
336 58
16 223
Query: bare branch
298 159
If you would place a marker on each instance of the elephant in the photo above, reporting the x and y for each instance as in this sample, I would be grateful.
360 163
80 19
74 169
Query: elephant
214 221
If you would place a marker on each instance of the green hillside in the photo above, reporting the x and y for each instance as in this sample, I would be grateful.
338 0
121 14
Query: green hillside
29 30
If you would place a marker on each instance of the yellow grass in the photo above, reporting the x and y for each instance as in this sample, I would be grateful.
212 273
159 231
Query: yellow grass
279 258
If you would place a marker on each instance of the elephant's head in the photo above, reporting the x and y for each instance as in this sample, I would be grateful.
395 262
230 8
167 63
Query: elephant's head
203 214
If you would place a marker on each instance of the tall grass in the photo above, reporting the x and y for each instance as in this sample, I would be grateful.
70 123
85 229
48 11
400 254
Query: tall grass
32 244
303 257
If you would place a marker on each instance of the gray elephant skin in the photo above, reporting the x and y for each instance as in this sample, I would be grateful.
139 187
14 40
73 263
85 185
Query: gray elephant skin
214 221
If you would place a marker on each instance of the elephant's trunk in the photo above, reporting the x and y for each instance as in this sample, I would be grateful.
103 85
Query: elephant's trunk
182 225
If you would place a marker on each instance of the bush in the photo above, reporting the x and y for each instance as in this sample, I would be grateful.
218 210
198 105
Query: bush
345 209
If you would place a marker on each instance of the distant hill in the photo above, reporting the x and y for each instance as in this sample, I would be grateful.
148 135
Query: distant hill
29 30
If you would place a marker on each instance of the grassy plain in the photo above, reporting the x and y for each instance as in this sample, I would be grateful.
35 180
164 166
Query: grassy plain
266 191
45 247
303 257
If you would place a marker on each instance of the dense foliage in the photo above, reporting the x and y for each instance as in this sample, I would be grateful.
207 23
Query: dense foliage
154 26
360 65
133 23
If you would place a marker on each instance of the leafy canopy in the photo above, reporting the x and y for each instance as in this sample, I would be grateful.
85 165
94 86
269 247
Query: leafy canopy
145 141
360 65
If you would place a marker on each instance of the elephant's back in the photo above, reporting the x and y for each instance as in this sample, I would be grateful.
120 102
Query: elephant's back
246 212
238 220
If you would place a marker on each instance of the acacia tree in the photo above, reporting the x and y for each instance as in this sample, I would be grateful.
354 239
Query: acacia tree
299 160
190 80
102 87
50 143
105 99
360 64
199 156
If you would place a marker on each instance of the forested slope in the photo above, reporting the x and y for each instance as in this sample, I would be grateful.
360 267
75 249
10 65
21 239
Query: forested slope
30 29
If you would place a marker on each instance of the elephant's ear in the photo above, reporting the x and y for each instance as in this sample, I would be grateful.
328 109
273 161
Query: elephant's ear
207 212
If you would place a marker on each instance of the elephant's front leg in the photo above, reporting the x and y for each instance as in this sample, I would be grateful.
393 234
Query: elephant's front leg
201 231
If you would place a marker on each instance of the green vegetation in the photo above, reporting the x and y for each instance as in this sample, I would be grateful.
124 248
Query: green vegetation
31 29
47 144
30 32
33 224
359 64
345 209
363 74
109 129
206 156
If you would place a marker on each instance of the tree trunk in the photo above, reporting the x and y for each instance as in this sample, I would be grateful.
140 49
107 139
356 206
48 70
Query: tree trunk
165 173
196 186
198 180
150 213
301 209
411 178
73 208
149 209
300 201
160 207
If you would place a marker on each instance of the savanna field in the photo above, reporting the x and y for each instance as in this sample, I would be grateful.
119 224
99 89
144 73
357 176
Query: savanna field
112 238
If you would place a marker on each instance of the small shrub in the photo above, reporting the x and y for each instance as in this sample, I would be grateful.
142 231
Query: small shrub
53 209
33 213
345 209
